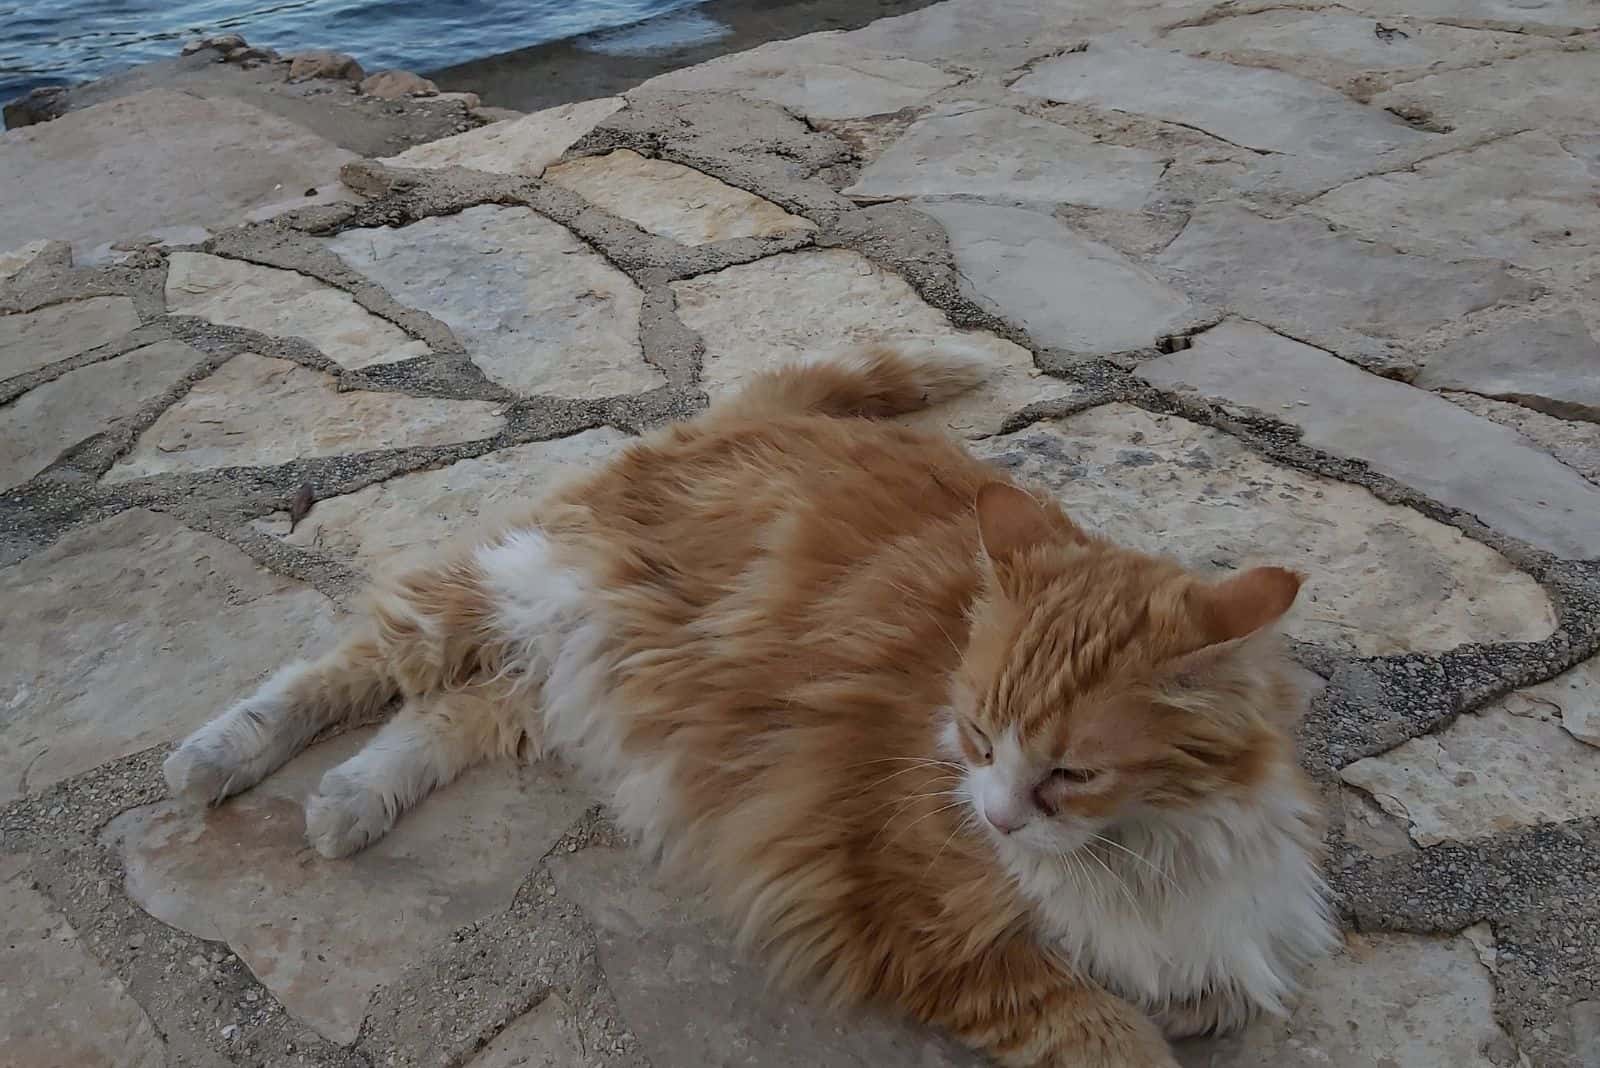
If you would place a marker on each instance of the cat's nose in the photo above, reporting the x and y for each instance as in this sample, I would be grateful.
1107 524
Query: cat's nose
1002 821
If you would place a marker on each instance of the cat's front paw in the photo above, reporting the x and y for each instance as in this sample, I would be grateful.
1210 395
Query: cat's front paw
345 815
205 772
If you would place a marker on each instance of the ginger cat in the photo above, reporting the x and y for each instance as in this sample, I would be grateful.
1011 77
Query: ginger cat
926 742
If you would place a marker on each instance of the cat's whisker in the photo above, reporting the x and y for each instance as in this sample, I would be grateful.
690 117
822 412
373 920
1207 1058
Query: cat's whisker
1121 884
1165 876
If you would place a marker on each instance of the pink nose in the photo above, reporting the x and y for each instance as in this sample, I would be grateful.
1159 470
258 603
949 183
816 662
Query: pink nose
1005 823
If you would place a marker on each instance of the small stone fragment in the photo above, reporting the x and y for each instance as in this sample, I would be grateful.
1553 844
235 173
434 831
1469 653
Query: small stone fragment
397 85
301 504
522 146
320 63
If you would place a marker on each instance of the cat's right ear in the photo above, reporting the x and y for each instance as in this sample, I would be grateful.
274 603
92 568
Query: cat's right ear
1012 521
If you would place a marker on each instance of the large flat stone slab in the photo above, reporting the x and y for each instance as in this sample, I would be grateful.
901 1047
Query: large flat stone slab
13 261
1369 298
522 147
130 633
320 934
47 420
55 332
672 200
382 524
808 304
151 161
1421 440
1573 443
1550 364
691 1000
1522 15
1065 290
60 1006
1390 1000
1551 91
536 308
285 304
1571 699
996 153
255 411
1380 578
1265 110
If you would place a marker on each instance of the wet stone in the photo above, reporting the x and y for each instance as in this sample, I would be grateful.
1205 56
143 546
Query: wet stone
257 411
538 310
523 146
31 340
285 304
130 633
1381 578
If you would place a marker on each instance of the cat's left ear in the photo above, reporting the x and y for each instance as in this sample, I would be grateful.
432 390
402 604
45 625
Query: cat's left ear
1011 520
1240 606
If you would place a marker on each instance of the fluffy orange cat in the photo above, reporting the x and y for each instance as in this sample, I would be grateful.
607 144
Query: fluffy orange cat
926 742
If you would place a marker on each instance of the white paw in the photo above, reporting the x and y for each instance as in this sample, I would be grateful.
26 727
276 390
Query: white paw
206 773
345 815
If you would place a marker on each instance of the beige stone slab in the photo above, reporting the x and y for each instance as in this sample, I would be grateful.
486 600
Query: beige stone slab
14 260
1552 91
672 200
31 340
322 935
129 633
805 305
285 304
1573 443
59 1008
255 411
1380 578
523 146
48 419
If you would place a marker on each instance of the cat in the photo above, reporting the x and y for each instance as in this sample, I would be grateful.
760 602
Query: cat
929 744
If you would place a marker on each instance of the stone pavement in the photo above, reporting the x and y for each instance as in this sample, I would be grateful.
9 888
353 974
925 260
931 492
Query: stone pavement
1305 283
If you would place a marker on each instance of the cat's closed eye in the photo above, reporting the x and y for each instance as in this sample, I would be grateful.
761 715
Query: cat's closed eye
976 743
1078 776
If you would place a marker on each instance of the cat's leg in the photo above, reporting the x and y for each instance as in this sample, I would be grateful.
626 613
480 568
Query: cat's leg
428 743
260 733
1217 1012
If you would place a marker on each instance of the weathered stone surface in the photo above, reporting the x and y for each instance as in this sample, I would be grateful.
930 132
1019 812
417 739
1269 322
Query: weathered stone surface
1554 15
673 200
60 1006
285 304
256 411
969 149
536 308
1380 578
542 1037
1550 364
1490 771
1417 438
378 525
819 76
1399 1001
1066 291
1575 444
1571 699
1261 109
1369 298
1549 90
397 85
48 419
13 261
30 340
322 935
804 304
193 162
524 146
690 999
127 634
321 63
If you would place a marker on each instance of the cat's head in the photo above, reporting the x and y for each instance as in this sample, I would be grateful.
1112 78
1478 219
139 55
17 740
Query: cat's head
1102 685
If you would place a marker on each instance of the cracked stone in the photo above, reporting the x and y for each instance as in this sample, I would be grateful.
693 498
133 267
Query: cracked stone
1550 364
672 200
1491 771
126 634
804 304
523 146
243 874
49 419
1550 90
1381 578
56 332
968 149
1400 1001
69 1010
13 262
1573 443
1421 440
1264 110
1519 15
691 999
256 411
1066 291
537 309
374 526
543 1037
1371 299
1571 699
285 304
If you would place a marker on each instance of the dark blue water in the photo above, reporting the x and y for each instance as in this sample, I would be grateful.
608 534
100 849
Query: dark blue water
57 42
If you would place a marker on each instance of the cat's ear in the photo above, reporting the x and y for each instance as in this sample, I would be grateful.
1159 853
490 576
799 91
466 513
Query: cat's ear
1242 605
1011 521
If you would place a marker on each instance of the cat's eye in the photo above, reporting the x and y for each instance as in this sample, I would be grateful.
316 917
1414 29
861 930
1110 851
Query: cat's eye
1076 776
979 750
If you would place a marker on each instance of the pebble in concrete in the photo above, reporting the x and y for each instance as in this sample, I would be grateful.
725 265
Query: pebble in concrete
31 340
542 1037
1380 578
320 934
1421 440
538 310
523 147
285 304
672 200
130 633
